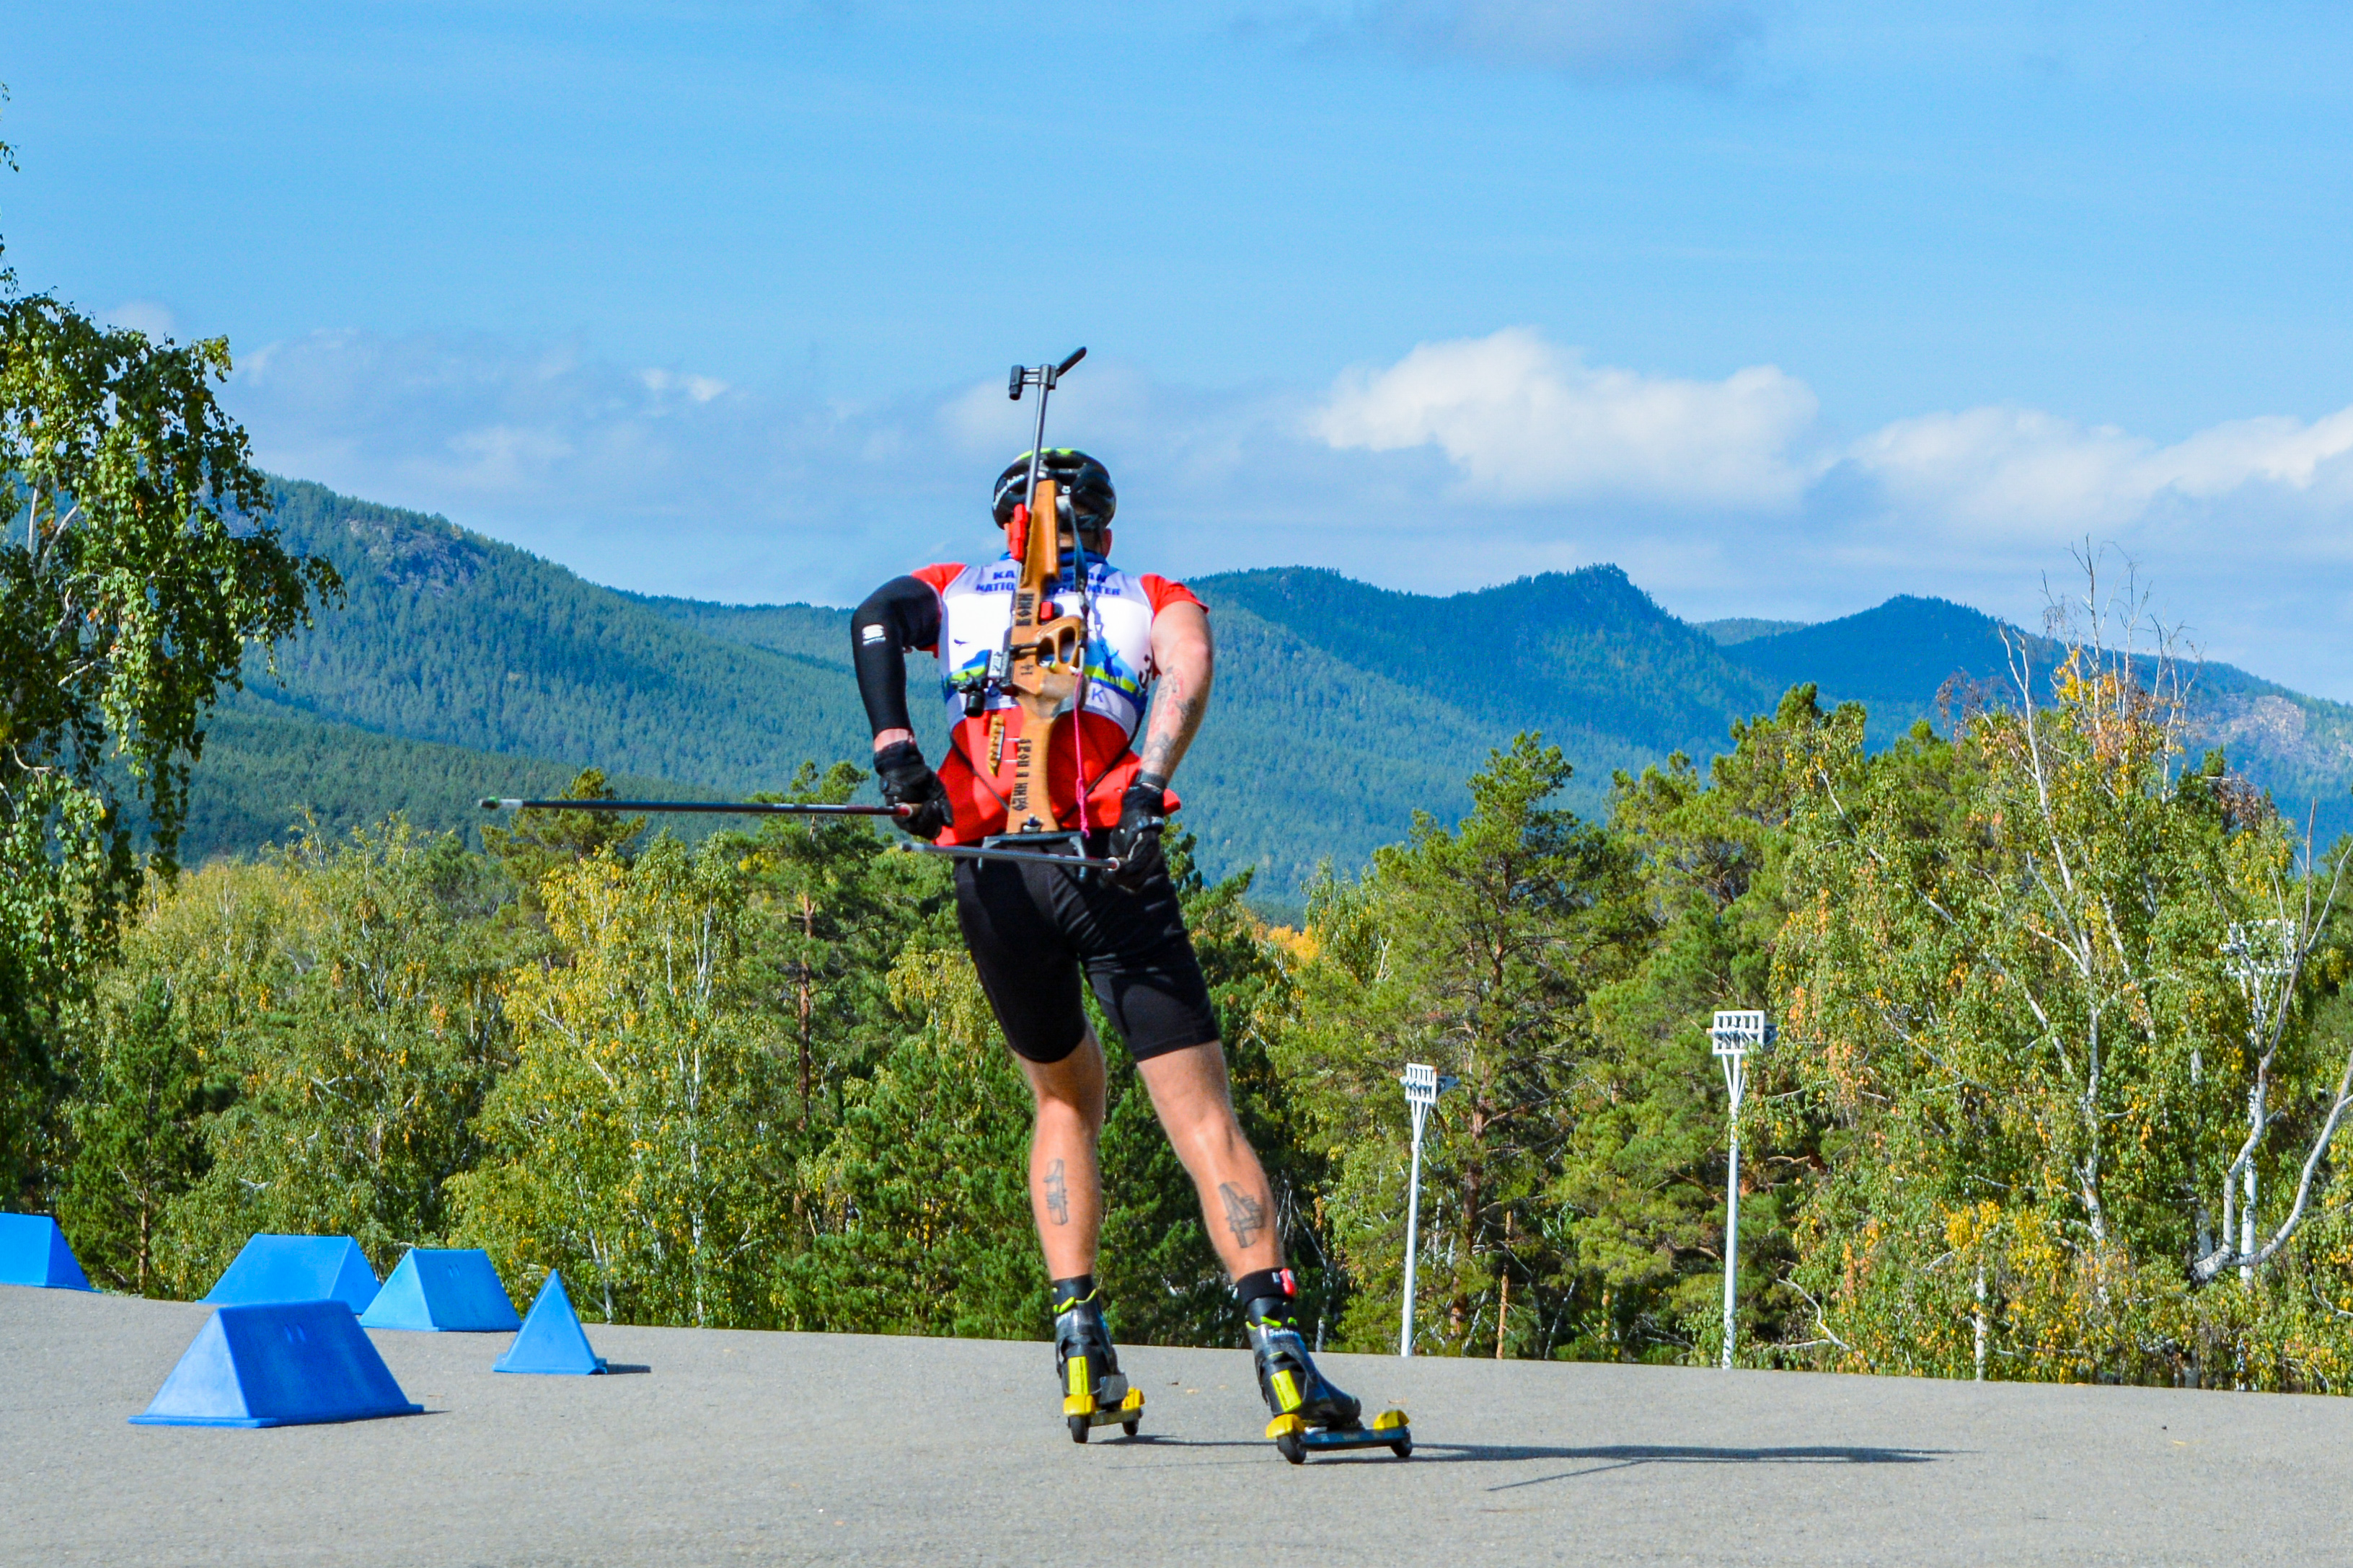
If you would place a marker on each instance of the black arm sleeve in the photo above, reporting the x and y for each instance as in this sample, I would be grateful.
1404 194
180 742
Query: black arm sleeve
902 613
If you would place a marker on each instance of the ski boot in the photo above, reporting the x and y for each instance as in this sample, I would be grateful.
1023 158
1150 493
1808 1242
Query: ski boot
1094 1394
1311 1414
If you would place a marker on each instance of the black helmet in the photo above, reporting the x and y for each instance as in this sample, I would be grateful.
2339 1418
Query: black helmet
1085 484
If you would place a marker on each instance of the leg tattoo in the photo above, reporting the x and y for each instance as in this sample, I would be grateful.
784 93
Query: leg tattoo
1245 1216
1058 1194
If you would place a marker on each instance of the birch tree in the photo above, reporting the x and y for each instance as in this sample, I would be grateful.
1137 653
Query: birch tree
635 1137
2010 975
137 569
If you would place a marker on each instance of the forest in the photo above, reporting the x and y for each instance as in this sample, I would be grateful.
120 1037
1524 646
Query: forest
753 1082
2063 1053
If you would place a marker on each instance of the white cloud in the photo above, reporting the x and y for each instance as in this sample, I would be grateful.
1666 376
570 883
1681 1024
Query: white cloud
700 388
1527 422
149 316
2024 472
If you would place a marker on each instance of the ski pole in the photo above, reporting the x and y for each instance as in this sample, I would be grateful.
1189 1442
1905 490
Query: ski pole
719 807
776 808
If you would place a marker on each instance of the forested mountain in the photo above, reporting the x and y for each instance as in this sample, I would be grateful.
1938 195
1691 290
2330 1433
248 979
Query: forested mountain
1898 657
453 638
264 772
463 666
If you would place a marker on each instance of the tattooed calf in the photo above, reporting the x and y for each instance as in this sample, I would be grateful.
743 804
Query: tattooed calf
1245 1216
1058 1194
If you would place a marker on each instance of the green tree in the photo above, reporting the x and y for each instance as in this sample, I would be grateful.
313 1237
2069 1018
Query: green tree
1474 951
921 1201
828 911
635 1139
161 1059
540 841
1642 1185
364 1040
2008 969
136 570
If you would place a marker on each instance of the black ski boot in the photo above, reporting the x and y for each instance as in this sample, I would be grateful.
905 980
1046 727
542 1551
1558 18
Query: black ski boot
1094 1394
1310 1411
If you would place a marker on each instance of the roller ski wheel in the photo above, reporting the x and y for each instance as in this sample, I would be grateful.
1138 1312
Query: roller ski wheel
1295 1439
1127 1415
1094 1391
1292 1445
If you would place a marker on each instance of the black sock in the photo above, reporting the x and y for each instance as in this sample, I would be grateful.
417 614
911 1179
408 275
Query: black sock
1266 1293
1069 1292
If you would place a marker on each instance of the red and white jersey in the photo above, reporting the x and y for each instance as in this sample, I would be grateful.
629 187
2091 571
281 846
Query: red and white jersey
975 613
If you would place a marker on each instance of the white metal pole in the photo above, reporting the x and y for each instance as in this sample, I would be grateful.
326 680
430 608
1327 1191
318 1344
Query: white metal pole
1412 1232
1734 1033
1734 1076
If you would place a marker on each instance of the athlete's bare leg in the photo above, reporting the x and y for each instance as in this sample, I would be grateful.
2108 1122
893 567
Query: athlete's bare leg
1065 1187
1189 1091
1195 1107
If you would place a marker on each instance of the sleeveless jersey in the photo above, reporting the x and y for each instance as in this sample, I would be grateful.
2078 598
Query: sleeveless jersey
1093 744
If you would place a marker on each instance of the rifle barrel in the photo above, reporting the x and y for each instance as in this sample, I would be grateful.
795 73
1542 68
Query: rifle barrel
715 807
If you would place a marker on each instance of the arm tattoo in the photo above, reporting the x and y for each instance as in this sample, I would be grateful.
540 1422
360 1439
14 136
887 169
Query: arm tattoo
1058 1194
1177 713
1245 1216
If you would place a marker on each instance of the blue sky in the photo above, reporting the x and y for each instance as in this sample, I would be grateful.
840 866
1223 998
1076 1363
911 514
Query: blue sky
1784 307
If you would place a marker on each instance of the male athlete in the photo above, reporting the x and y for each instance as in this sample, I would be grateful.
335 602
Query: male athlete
1031 928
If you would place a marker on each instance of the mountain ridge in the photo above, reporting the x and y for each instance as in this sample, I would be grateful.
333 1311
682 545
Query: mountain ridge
1341 710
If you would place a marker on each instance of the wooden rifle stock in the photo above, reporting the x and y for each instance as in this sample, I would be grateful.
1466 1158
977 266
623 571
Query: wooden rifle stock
1046 659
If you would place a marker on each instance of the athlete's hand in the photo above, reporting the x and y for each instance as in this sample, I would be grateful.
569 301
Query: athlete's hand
1136 842
908 780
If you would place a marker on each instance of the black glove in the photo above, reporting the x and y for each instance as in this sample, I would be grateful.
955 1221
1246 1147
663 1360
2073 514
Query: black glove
1136 842
908 780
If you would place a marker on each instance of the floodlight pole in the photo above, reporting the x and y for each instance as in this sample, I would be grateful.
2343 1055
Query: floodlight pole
1423 1085
1734 1034
2256 956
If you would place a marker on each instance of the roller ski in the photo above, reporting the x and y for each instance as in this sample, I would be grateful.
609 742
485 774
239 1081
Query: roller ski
1311 1414
1094 1391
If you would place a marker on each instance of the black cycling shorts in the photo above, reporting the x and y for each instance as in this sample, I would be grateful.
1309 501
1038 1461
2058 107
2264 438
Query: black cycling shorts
1030 929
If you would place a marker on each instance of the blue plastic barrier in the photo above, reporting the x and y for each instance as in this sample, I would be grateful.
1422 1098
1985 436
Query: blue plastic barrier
297 1268
289 1363
552 1340
33 1251
449 1289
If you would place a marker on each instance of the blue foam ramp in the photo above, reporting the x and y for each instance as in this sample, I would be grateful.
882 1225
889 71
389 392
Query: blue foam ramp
552 1340
453 1289
297 1268
289 1363
33 1251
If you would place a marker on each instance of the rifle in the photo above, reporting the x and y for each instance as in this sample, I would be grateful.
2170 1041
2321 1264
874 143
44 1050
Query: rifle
788 809
1043 663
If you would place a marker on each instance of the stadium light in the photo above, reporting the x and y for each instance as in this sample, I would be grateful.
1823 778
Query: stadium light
1423 1085
1734 1034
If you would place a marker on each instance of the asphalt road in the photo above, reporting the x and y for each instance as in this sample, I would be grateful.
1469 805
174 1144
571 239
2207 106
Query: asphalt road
793 1449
